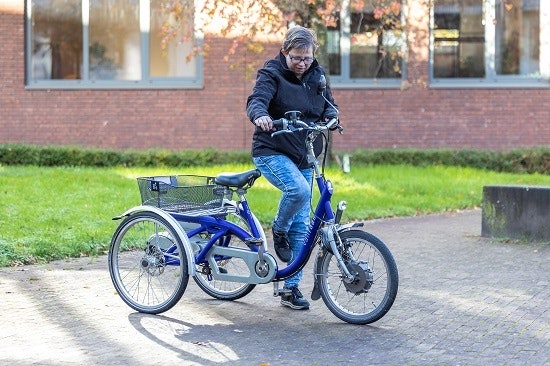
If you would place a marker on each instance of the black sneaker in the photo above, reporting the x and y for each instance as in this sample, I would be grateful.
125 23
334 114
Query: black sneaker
293 299
282 246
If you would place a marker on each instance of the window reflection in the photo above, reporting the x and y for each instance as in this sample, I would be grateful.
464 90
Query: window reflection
517 37
56 39
459 39
375 39
175 59
485 38
115 50
375 46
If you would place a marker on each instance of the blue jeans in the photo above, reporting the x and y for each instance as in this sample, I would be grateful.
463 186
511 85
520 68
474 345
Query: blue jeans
294 207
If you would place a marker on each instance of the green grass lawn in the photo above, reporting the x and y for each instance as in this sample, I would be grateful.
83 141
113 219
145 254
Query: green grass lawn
53 213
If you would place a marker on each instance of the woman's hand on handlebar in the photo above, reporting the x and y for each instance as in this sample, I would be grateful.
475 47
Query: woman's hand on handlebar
264 122
333 123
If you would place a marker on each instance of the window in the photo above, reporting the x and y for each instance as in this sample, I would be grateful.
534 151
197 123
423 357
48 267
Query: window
366 46
115 47
56 41
490 41
108 44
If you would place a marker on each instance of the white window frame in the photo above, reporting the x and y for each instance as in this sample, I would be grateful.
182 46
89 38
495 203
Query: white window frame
492 79
146 81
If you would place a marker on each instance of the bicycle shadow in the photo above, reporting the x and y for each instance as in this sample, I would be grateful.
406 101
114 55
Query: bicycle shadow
185 339
257 340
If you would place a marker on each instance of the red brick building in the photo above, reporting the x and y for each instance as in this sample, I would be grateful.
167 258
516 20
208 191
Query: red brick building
473 74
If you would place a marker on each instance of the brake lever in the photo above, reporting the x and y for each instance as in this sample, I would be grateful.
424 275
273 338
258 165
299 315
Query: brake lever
280 132
289 129
302 125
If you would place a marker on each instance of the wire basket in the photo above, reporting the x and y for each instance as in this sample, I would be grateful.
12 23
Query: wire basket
180 193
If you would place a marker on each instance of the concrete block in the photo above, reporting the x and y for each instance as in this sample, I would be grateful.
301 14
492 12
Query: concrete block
517 212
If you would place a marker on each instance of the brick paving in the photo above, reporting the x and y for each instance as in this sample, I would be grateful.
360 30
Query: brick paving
463 300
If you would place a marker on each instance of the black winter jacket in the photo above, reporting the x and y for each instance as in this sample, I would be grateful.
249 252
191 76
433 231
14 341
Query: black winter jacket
277 91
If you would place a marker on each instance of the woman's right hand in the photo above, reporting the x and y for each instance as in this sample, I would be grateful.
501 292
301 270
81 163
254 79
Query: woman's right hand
264 122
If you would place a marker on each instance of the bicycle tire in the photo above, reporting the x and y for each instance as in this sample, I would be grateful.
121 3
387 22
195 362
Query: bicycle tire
370 297
147 278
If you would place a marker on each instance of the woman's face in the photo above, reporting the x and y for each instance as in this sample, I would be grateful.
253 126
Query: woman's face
299 60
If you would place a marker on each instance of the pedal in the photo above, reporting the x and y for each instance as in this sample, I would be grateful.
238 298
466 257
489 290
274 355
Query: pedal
253 241
284 292
275 289
277 292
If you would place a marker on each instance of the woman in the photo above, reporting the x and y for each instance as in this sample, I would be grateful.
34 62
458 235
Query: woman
289 82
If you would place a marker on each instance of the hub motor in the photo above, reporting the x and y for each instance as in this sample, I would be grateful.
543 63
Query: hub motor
363 277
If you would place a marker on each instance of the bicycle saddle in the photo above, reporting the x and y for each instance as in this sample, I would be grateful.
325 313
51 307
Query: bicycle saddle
238 180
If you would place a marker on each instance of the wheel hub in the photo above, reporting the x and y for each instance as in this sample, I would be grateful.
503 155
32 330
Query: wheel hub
153 261
363 277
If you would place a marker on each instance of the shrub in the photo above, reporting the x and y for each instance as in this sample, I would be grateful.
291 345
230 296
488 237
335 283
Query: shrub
19 154
528 160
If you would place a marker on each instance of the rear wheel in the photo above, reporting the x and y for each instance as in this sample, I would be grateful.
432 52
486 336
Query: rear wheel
147 263
371 294
219 289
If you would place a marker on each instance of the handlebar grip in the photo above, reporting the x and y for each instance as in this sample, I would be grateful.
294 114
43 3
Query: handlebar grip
332 123
280 124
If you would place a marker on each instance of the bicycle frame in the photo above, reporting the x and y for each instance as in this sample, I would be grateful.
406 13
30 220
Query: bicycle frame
220 228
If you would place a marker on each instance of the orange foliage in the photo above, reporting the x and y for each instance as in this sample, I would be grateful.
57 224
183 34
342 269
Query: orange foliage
249 23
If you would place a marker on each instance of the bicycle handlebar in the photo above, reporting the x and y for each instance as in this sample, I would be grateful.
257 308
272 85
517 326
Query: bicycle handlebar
284 125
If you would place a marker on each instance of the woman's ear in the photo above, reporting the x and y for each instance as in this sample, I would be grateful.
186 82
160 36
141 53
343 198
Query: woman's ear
284 52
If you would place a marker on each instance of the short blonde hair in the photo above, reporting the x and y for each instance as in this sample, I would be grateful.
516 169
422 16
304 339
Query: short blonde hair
299 37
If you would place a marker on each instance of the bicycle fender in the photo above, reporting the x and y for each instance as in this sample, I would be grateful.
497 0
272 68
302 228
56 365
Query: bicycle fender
175 225
349 226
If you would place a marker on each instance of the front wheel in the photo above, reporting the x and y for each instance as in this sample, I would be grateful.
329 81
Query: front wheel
148 263
371 294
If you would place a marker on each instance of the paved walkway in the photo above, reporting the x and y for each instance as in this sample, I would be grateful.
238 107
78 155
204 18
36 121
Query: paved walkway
463 300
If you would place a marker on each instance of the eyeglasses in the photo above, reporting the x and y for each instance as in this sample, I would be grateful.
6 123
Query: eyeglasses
296 60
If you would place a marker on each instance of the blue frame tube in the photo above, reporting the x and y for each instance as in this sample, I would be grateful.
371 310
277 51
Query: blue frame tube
323 213
218 227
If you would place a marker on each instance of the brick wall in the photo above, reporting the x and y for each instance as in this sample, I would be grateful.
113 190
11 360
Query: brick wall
215 116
